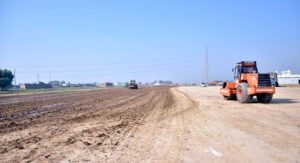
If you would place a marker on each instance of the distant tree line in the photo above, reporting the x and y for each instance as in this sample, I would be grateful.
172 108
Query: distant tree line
6 78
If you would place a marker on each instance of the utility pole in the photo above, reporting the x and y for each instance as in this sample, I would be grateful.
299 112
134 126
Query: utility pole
206 66
38 78
50 77
15 80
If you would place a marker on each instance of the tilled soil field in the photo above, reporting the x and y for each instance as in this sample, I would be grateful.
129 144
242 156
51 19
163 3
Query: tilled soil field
160 124
60 126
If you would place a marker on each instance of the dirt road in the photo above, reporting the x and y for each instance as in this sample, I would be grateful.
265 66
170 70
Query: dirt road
183 124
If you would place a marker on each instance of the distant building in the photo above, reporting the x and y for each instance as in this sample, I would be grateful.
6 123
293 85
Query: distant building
76 85
286 77
162 83
65 85
80 85
89 85
16 86
121 84
274 79
56 83
104 85
39 85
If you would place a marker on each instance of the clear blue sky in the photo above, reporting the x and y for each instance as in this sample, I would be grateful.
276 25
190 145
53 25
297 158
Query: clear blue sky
87 41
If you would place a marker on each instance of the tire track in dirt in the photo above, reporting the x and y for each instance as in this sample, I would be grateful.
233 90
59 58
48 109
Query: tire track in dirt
201 126
164 134
251 132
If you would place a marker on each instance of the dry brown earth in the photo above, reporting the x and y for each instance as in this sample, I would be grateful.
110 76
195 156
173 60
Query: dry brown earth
183 124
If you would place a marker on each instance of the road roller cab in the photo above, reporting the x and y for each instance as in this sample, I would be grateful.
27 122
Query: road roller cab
248 83
133 84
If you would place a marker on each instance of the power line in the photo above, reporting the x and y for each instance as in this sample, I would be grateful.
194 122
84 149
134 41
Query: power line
189 60
86 70
107 63
112 73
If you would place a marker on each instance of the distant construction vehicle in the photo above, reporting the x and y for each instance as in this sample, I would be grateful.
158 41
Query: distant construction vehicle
248 83
133 84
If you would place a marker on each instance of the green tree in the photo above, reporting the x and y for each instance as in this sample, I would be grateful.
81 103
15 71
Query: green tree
6 78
